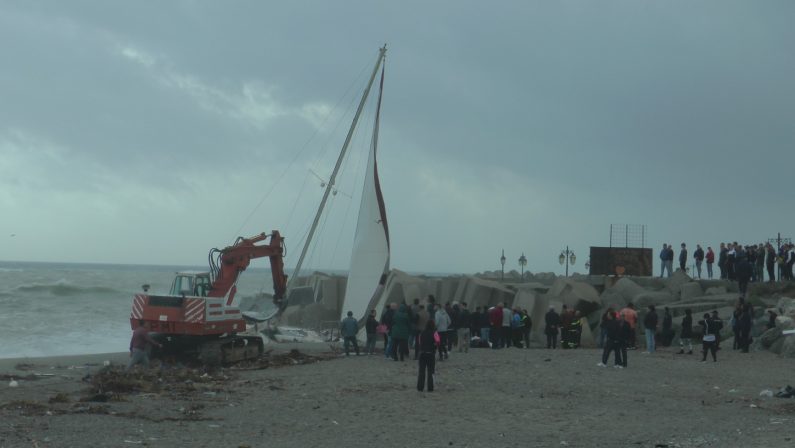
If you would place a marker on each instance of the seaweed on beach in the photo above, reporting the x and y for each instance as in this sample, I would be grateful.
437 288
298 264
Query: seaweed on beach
111 383
26 407
294 357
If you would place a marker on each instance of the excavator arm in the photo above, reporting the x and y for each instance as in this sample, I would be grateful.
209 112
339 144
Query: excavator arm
234 259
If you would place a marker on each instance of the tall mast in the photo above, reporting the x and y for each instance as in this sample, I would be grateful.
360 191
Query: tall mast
330 185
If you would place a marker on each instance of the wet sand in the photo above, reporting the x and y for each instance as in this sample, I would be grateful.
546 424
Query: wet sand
499 398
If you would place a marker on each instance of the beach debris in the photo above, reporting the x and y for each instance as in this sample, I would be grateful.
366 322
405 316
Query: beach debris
106 363
60 397
13 383
766 393
786 392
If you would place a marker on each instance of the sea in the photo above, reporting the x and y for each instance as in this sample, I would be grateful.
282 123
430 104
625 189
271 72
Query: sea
50 309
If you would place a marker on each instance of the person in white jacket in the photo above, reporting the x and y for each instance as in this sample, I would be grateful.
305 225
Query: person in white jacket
442 321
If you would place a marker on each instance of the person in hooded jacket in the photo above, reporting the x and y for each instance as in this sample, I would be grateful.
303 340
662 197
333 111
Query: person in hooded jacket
400 333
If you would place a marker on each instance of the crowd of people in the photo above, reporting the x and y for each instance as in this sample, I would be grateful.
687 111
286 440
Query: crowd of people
736 262
432 329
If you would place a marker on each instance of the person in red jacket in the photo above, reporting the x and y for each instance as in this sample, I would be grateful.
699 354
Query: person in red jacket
495 320
710 261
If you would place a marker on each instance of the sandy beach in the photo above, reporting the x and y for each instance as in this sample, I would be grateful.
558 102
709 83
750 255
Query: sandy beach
500 398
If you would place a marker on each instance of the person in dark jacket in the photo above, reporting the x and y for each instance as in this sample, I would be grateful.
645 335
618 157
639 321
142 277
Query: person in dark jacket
708 329
370 326
552 322
667 334
723 256
427 363
527 326
770 263
683 257
719 324
386 321
698 256
650 328
686 336
710 261
400 333
744 326
612 340
742 269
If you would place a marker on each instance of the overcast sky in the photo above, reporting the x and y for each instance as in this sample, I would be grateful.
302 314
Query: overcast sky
148 132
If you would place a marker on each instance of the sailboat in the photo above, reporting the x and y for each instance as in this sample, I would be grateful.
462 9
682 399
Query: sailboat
369 265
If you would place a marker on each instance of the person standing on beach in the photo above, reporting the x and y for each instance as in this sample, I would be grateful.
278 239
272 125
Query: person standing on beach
667 333
710 261
527 326
371 328
686 336
139 346
625 334
348 329
552 322
422 319
386 321
429 340
495 322
612 341
770 263
650 328
464 322
723 258
400 333
631 316
507 317
708 330
442 324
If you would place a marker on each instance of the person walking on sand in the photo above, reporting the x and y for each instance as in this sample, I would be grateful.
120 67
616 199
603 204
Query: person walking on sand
612 341
650 328
371 328
139 346
348 329
552 322
686 335
527 326
708 340
663 260
429 340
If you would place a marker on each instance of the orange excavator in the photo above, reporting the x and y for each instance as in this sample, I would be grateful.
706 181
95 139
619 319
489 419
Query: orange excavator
197 319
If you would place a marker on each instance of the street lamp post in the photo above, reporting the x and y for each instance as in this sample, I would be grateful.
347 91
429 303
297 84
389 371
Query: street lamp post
567 257
502 262
522 263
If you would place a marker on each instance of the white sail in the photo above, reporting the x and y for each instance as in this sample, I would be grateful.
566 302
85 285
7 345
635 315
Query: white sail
370 254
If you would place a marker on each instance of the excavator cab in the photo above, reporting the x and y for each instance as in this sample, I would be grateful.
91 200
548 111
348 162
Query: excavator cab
189 283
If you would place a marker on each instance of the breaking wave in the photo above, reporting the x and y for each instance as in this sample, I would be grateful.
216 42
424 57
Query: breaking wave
63 289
